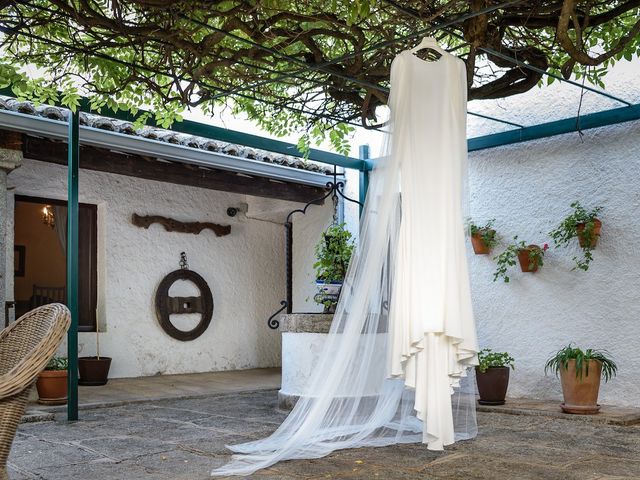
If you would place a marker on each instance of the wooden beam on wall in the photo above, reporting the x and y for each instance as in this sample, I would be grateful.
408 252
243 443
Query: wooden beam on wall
104 160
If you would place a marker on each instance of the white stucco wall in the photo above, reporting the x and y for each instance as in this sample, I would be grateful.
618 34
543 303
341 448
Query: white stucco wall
245 270
527 188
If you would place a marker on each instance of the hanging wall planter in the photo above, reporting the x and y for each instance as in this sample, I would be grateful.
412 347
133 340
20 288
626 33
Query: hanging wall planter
530 258
589 233
483 239
585 226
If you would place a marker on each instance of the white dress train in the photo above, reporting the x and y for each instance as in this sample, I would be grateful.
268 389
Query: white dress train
396 362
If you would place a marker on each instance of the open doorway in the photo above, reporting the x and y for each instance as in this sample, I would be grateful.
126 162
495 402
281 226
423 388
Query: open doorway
40 257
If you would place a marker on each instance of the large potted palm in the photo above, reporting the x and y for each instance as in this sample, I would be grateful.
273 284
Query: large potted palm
580 372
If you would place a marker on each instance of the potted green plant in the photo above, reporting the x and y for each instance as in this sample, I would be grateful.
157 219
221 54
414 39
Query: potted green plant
483 238
52 382
584 225
530 258
492 376
580 372
94 371
333 254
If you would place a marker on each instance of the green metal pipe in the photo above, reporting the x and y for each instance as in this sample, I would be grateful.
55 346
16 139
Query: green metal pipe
72 262
364 175
558 127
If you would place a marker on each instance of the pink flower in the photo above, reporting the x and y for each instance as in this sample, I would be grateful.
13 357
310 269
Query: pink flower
545 247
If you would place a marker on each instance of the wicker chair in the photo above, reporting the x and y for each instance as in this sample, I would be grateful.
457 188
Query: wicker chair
26 346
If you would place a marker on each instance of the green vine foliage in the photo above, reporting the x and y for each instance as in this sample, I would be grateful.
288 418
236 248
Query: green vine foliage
561 360
314 69
57 363
333 253
567 231
487 358
508 258
487 233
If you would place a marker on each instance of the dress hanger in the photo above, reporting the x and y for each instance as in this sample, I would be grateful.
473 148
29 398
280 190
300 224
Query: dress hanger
429 43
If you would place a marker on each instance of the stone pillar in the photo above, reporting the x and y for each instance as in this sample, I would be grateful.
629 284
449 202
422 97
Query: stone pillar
10 159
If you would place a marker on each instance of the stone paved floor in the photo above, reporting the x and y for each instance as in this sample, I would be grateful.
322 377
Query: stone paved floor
184 438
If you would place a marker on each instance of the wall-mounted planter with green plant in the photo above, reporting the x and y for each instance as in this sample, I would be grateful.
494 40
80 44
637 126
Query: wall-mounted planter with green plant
530 258
483 238
585 226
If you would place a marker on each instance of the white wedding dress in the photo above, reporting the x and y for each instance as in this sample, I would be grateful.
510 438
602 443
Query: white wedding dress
395 365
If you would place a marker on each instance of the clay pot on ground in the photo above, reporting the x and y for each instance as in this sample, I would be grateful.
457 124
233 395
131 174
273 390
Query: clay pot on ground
581 392
492 385
597 226
479 247
52 387
94 371
526 265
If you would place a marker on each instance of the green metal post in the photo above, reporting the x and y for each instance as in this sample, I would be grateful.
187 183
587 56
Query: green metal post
364 175
72 261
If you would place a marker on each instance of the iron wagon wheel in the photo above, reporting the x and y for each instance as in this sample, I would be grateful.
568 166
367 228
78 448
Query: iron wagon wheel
166 305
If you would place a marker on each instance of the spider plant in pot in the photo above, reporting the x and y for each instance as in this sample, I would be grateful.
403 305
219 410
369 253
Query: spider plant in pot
580 372
94 371
52 382
530 257
584 225
483 238
492 376
333 254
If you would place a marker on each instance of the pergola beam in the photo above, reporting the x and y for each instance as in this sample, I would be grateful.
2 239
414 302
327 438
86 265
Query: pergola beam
558 127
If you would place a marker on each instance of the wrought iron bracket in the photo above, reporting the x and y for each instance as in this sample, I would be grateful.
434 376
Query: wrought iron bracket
335 191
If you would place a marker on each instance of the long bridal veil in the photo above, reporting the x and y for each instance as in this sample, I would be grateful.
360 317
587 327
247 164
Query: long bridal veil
353 398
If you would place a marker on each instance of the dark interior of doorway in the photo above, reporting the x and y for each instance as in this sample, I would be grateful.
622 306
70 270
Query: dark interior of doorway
40 257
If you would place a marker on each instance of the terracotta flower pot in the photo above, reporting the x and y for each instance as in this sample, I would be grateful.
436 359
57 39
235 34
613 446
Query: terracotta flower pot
94 371
52 387
526 265
479 247
581 392
492 385
597 226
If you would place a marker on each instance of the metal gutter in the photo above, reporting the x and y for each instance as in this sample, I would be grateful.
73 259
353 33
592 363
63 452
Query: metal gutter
55 129
558 127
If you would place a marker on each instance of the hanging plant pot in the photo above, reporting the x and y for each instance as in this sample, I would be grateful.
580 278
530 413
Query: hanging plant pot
94 371
492 385
580 392
52 387
528 264
328 294
479 245
582 238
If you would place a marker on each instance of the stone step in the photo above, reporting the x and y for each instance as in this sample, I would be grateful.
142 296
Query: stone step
609 414
32 416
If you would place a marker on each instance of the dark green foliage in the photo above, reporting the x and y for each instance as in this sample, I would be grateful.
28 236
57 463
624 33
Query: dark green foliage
333 253
487 358
561 360
564 233
57 363
508 258
487 233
